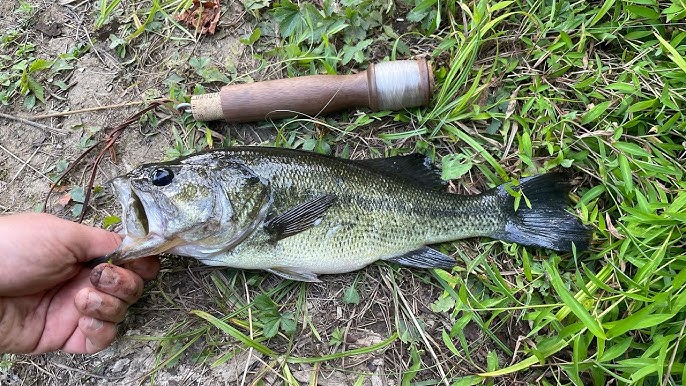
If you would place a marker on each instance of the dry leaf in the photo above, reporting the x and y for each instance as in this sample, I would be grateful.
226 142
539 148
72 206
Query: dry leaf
64 200
611 228
512 105
202 16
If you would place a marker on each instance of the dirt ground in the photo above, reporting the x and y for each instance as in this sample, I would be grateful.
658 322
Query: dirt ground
155 326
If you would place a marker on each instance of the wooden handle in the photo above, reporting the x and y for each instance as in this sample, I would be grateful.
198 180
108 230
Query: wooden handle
308 95
318 94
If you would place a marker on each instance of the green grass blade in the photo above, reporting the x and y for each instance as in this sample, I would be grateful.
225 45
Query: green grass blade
673 53
235 333
570 302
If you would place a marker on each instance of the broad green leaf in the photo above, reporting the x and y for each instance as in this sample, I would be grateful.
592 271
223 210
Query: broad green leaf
626 88
449 343
414 368
595 112
601 12
500 5
39 64
593 193
631 148
642 105
351 296
619 347
77 194
109 221
641 319
249 40
469 380
627 175
643 12
421 10
455 166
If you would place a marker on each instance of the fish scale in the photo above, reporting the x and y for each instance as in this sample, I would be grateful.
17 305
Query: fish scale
299 214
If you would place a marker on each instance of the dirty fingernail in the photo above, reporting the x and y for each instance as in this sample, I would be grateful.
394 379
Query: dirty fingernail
104 277
94 300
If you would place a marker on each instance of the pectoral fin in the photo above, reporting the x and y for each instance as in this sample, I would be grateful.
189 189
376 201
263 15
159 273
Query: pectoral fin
299 218
424 258
294 274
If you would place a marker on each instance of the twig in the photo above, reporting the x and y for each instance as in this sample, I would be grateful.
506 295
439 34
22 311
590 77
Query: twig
34 124
109 141
86 373
671 359
21 169
87 110
24 163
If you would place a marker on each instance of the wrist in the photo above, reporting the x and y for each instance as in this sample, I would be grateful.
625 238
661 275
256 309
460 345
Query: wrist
5 329
13 330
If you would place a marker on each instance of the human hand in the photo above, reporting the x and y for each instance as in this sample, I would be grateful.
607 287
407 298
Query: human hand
49 300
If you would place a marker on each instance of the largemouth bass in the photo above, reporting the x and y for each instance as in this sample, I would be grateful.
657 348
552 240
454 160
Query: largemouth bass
299 214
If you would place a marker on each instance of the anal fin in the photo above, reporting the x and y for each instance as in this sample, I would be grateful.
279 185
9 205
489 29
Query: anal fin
424 257
293 274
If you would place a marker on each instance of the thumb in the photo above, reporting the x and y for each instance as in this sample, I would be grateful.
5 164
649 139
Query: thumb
42 251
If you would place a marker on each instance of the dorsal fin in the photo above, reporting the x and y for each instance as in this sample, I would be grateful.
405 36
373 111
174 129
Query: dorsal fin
299 218
415 168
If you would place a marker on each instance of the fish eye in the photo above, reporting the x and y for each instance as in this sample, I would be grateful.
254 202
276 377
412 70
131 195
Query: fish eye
161 177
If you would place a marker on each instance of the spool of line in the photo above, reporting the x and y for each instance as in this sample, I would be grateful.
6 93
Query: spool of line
393 85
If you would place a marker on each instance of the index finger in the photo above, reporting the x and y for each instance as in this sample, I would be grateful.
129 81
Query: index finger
86 242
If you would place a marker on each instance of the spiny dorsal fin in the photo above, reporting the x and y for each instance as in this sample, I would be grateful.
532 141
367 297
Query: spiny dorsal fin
299 218
293 274
415 168
424 257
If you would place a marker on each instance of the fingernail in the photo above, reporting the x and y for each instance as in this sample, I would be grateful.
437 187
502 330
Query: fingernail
104 277
94 300
95 324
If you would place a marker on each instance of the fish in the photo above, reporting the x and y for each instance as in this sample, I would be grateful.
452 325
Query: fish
300 214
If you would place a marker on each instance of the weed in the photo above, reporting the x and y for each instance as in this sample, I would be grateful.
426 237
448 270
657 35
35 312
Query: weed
327 37
23 74
6 362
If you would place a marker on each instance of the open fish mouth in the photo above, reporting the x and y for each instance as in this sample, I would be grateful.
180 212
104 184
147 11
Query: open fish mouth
142 223
134 218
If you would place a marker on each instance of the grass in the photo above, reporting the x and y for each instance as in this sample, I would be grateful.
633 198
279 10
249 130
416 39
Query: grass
523 87
22 74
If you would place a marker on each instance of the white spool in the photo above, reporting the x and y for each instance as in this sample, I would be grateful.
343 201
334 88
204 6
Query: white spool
402 84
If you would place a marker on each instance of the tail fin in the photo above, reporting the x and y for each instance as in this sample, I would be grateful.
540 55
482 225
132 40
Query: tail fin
547 223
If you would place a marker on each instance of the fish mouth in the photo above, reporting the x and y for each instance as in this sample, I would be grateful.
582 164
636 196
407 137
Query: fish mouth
142 229
134 218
